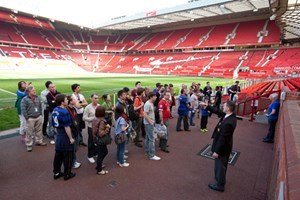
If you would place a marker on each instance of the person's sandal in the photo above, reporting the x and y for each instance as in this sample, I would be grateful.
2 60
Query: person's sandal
103 172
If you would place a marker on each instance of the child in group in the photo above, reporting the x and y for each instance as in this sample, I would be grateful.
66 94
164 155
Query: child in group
204 117
254 103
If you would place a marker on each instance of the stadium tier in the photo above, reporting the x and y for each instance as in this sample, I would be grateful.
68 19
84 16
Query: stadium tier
98 53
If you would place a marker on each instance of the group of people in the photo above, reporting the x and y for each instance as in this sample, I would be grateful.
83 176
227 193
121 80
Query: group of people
62 118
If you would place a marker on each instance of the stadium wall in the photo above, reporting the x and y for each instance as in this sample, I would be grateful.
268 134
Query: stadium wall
285 177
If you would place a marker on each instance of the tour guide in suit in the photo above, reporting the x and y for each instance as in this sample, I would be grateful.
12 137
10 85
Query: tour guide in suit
222 141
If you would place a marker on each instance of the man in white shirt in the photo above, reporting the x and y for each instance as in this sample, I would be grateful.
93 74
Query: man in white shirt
149 121
88 117
79 106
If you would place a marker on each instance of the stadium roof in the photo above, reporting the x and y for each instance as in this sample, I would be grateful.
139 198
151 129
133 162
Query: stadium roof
290 21
193 11
173 14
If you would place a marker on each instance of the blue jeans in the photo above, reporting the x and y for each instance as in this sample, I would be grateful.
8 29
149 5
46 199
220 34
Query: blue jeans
192 117
120 152
149 141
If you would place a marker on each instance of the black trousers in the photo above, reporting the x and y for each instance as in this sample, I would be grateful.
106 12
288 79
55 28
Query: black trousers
45 122
80 126
185 122
272 127
101 152
62 157
91 147
203 123
220 169
137 127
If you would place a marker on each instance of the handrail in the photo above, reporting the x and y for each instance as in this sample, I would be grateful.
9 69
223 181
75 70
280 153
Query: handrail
244 107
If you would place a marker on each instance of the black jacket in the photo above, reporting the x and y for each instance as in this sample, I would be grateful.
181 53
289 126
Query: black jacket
223 133
51 100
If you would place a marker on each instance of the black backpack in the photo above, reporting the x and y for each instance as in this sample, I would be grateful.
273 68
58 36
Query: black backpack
133 115
228 91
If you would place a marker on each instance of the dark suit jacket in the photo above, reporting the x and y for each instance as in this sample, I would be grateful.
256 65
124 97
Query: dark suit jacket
222 135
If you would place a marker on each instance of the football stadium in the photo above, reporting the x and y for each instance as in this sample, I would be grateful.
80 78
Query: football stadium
93 96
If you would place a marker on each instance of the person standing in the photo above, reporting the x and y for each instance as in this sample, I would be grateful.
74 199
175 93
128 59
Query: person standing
218 97
164 116
222 142
234 90
194 105
149 121
73 127
121 126
21 93
88 116
134 91
207 90
79 106
173 93
31 109
61 120
183 111
273 113
204 117
45 107
109 109
138 106
52 104
254 103
99 129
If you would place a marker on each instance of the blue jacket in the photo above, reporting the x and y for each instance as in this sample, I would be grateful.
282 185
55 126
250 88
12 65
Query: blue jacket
204 112
274 105
183 108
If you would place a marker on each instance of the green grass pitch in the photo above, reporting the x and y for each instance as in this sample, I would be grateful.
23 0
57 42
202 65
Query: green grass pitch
106 84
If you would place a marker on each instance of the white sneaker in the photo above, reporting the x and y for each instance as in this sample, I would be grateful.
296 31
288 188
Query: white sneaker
91 160
126 151
76 165
154 158
125 164
125 157
52 142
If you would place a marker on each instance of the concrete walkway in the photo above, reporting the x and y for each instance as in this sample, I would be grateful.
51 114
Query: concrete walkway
181 174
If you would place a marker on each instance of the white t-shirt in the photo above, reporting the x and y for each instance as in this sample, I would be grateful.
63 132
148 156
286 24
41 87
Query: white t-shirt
149 109
78 97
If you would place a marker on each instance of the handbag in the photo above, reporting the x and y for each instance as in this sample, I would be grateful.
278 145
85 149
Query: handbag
105 139
120 138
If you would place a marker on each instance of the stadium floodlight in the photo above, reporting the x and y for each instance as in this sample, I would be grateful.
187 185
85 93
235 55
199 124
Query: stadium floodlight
255 10
192 20
15 11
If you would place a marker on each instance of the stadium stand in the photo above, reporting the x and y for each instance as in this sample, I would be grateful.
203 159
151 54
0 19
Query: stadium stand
157 52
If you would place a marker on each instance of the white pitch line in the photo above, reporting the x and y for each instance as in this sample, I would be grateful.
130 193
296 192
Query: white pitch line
7 92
